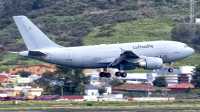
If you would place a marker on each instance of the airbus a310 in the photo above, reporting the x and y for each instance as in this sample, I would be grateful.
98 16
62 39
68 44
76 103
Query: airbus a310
126 56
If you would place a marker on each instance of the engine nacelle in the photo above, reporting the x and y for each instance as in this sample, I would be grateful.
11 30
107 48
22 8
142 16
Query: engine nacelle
151 63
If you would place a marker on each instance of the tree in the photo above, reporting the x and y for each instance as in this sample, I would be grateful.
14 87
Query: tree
159 91
73 80
101 91
196 77
24 73
116 82
160 82
184 32
46 79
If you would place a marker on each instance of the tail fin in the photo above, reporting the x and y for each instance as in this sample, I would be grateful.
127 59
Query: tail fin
33 37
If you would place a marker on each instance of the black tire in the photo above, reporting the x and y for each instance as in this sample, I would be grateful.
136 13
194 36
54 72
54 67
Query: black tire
102 74
108 75
170 70
123 74
117 74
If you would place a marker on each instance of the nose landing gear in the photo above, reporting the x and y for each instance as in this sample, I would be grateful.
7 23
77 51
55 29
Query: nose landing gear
170 70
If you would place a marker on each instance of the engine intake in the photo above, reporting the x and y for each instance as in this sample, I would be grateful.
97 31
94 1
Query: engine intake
151 63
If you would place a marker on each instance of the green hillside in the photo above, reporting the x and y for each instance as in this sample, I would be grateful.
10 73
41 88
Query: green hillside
89 22
147 29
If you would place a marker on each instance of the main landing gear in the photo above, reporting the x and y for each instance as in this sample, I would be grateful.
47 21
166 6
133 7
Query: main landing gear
105 74
122 74
108 75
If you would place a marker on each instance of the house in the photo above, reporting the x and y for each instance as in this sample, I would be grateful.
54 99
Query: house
108 89
35 69
181 87
12 90
141 88
92 90
5 78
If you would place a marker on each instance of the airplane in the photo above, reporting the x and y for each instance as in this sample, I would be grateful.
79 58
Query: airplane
125 56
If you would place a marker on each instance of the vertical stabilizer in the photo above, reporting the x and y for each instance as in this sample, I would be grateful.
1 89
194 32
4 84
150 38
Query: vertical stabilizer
33 37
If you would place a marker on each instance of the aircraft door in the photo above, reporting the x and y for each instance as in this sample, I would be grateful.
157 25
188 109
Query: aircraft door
68 57
176 49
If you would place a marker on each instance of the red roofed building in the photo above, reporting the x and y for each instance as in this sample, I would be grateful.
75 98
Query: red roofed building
5 77
181 87
143 87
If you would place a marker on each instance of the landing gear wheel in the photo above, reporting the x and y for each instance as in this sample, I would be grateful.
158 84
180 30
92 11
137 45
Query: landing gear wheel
123 74
102 74
170 70
117 74
108 75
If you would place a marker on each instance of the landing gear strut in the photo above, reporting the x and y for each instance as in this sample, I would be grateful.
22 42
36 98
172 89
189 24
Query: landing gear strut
120 73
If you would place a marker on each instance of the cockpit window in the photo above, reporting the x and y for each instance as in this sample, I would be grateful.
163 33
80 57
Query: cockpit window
185 46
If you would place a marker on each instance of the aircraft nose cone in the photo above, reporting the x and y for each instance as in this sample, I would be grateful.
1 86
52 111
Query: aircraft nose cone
191 51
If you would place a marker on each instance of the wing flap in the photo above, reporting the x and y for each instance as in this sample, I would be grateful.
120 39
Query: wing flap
125 55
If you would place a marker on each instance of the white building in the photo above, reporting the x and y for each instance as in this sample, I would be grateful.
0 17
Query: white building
186 70
197 20
108 89
135 78
91 90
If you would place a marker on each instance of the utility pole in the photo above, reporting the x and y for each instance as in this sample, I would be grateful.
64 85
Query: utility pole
62 84
191 11
148 90
62 89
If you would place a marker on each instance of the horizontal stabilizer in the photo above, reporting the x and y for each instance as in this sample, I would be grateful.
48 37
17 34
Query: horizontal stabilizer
11 52
36 53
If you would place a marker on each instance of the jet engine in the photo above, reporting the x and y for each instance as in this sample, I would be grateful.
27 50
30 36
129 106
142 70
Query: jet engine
151 63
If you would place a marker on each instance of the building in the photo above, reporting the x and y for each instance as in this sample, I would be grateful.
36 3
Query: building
108 89
5 78
35 69
197 20
141 88
171 78
135 78
13 91
92 90
181 87
185 75
181 75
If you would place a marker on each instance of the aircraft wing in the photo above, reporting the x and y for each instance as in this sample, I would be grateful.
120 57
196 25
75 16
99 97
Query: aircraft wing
125 55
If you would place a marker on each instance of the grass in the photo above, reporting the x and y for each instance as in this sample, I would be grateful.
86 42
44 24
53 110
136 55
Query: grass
133 31
68 105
